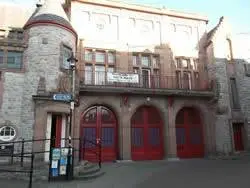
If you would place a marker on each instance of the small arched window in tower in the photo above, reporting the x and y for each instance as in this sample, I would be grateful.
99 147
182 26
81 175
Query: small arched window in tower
229 54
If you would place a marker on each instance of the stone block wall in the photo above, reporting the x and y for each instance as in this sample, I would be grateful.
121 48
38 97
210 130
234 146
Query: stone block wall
11 107
218 70
42 59
244 96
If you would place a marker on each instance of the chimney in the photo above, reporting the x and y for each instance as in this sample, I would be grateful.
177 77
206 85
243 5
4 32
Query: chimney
39 3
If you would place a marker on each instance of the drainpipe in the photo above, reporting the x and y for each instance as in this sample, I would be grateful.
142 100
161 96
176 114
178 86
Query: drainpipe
72 60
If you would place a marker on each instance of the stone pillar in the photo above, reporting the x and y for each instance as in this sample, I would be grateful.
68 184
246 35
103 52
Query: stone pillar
125 136
171 130
166 140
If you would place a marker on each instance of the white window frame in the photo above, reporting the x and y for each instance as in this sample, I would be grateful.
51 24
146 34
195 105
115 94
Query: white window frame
135 60
88 74
145 59
100 57
7 138
111 58
18 59
88 55
100 75
67 51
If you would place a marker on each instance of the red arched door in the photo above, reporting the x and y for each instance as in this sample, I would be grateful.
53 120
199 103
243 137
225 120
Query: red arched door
100 123
146 134
189 134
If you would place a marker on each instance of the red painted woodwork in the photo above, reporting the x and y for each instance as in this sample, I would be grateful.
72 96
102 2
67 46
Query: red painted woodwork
146 134
238 139
99 123
189 134
58 131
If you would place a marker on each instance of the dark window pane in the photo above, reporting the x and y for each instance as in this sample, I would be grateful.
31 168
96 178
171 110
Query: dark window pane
235 98
90 116
195 136
154 136
2 132
178 79
66 55
193 116
90 137
107 139
153 116
14 59
107 116
7 131
19 35
11 60
12 132
12 35
145 78
137 137
180 117
180 136
1 57
138 117
186 80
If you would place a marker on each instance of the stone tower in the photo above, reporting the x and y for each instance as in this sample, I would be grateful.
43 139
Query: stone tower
50 40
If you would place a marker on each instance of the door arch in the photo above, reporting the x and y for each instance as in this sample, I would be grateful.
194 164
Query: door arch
99 122
146 134
189 133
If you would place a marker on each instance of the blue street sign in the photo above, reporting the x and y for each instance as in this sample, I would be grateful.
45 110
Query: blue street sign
62 97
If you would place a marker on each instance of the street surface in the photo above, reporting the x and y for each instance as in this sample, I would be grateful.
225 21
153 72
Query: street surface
194 173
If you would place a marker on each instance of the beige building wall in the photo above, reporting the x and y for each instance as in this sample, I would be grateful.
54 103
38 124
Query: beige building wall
126 28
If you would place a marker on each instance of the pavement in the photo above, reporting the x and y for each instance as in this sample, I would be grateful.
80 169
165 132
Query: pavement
193 173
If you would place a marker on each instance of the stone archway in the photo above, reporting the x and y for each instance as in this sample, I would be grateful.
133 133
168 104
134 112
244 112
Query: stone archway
100 123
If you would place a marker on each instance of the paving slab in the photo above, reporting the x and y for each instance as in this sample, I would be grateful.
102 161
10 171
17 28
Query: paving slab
194 173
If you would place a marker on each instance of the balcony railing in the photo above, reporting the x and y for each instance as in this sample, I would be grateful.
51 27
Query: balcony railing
144 81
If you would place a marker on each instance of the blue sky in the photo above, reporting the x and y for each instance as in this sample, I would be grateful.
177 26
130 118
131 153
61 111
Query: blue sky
237 11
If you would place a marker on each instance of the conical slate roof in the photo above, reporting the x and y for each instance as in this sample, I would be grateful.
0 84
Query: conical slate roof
51 12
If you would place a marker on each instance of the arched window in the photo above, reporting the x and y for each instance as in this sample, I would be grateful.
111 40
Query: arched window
7 133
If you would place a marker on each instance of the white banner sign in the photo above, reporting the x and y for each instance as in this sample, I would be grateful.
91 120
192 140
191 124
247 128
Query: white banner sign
122 77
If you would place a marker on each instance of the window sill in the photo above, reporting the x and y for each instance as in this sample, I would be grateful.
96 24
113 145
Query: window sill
236 109
12 70
100 63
